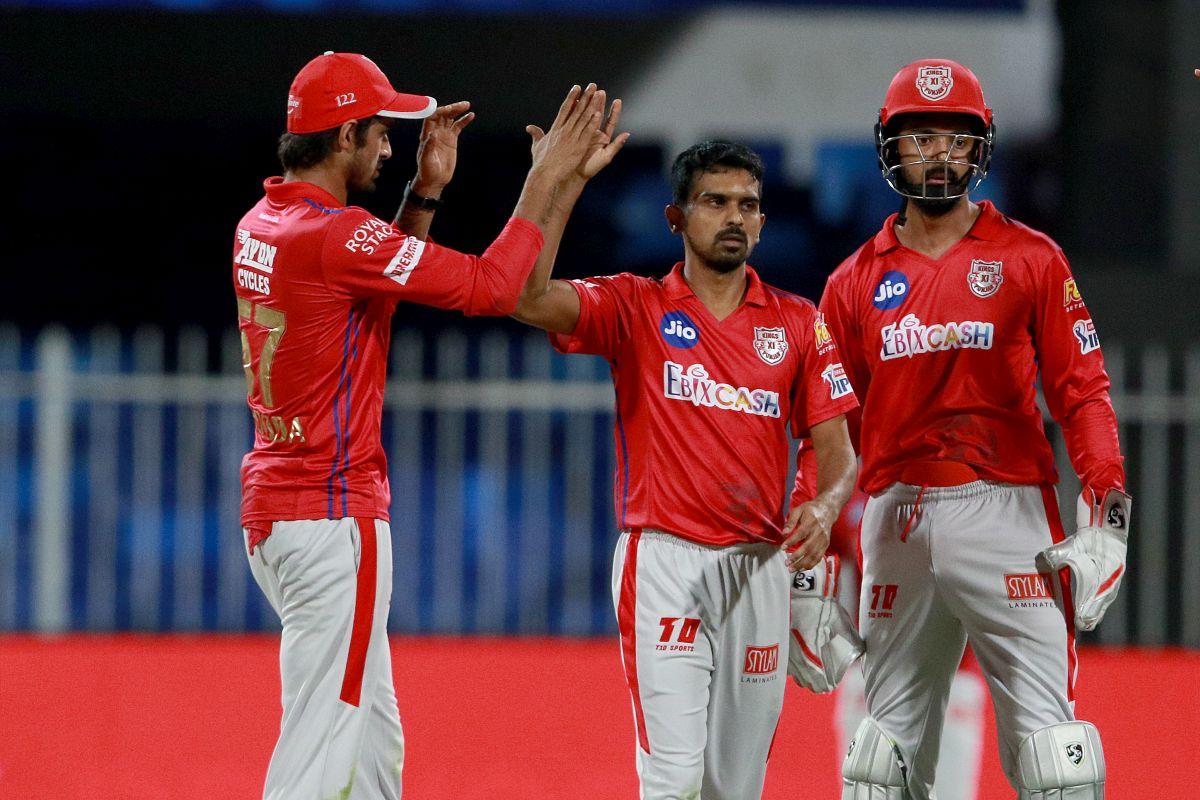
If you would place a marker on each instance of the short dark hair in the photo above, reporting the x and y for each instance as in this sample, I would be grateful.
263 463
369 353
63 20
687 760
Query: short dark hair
709 156
304 150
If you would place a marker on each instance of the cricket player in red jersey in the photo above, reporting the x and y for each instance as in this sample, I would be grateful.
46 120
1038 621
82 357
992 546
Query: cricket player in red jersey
945 319
317 283
960 754
712 368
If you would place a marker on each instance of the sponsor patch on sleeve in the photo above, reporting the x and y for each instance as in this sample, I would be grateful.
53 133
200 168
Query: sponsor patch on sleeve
839 384
368 236
821 335
405 260
1071 297
1085 334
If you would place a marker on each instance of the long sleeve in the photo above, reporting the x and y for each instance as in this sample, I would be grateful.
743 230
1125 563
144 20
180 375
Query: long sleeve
1074 382
364 256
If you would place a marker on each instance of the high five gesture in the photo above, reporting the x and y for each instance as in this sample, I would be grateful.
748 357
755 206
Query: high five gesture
552 305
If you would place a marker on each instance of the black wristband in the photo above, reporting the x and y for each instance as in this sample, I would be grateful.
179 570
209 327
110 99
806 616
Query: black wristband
423 203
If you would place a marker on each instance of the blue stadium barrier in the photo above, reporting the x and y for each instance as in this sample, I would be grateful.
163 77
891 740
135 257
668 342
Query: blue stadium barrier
119 486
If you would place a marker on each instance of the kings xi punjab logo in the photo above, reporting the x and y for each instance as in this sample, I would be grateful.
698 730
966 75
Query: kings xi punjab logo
934 83
985 277
771 344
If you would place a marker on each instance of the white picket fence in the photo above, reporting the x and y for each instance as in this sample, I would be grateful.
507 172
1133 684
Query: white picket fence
119 486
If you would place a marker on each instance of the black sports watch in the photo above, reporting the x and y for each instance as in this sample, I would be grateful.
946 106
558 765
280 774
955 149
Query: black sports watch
423 203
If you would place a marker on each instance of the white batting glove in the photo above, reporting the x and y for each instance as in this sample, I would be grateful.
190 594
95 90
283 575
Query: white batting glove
1095 554
824 642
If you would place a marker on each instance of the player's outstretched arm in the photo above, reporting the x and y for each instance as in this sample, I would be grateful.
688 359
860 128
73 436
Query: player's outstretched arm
554 305
364 257
437 155
806 530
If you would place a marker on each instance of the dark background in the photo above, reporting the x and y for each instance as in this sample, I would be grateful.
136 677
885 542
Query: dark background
134 140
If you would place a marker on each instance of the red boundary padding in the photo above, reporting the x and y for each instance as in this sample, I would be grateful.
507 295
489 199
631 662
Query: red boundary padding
549 718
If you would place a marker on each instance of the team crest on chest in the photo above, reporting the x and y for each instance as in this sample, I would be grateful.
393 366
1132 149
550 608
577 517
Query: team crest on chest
985 277
934 83
770 344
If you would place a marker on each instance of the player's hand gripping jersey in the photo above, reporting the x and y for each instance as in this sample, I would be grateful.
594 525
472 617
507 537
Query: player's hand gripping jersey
703 406
951 348
317 283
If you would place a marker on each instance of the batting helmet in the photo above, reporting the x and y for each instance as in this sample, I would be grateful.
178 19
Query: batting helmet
936 86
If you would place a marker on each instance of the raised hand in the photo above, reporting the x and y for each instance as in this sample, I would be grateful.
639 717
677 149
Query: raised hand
437 152
604 147
562 149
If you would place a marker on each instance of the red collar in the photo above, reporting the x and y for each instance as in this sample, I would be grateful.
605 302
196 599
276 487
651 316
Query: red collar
988 227
677 286
281 191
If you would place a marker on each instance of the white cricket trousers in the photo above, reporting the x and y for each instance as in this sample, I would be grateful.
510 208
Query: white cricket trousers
701 633
963 571
330 581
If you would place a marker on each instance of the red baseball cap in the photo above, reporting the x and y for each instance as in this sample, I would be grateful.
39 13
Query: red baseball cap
935 85
337 87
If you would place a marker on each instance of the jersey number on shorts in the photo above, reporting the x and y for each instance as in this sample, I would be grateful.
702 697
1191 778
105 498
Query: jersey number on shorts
275 321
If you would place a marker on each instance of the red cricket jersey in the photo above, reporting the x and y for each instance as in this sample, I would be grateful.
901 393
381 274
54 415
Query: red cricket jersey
704 407
945 353
316 284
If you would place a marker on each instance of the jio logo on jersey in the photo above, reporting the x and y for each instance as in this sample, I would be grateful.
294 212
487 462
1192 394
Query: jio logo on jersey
678 330
891 291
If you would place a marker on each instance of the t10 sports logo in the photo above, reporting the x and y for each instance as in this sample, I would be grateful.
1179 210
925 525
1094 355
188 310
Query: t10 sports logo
678 634
883 600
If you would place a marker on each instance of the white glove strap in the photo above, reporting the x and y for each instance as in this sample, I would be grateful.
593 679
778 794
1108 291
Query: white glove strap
1110 511
1095 554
